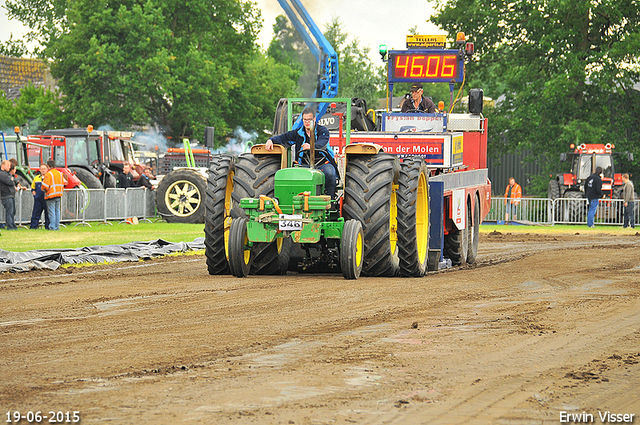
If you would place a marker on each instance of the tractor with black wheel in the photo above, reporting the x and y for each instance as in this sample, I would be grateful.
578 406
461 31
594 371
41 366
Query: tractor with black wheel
379 227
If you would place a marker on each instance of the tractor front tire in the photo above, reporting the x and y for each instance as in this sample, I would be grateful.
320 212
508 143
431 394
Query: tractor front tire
413 217
240 255
180 196
217 217
351 249
370 198
254 176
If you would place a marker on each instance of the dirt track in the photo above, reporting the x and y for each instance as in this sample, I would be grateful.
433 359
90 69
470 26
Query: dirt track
541 325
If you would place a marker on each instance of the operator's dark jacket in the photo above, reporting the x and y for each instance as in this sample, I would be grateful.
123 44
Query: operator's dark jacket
7 185
125 180
299 137
426 105
593 187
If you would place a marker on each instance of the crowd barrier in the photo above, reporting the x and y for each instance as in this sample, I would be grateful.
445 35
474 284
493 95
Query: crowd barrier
83 206
562 211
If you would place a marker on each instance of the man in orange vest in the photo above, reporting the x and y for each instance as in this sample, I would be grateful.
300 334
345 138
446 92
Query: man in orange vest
53 186
512 195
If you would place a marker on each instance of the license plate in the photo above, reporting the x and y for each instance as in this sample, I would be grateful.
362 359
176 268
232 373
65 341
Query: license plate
290 222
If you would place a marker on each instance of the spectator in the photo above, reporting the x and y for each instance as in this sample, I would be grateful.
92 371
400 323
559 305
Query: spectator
39 203
628 199
53 184
145 178
513 195
593 190
8 188
125 178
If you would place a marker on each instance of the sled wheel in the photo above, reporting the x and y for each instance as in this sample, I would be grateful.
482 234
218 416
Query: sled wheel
474 231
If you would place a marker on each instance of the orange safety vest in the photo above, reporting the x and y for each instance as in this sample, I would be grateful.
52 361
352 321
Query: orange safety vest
516 194
53 184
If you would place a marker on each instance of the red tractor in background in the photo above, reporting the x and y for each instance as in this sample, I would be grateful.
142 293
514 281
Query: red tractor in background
584 159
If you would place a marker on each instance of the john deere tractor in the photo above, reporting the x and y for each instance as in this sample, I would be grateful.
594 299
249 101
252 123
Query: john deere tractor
263 215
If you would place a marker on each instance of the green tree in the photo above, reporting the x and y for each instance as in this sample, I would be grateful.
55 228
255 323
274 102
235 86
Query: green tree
37 107
359 76
157 62
288 48
13 48
564 71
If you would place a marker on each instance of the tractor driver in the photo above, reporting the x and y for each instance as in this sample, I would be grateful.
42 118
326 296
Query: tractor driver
300 138
418 102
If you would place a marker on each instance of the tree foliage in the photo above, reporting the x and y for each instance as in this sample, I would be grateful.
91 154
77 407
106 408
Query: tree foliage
563 70
359 76
38 108
156 62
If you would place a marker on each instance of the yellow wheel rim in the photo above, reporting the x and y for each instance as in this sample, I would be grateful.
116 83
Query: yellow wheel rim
183 198
279 244
247 251
422 218
359 250
393 219
228 203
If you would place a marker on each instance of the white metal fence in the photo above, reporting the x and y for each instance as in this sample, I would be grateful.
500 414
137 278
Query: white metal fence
91 205
562 211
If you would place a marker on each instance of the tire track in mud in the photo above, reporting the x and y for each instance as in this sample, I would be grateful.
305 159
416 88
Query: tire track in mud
274 349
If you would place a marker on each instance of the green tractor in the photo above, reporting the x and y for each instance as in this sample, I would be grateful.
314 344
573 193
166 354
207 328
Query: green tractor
265 216
298 211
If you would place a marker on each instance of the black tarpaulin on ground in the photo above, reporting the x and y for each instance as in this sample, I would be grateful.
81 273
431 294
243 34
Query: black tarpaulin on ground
51 259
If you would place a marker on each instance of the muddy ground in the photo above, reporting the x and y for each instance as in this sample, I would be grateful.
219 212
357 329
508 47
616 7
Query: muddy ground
543 324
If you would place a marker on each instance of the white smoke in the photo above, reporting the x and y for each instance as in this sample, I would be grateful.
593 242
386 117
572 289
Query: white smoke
152 140
240 142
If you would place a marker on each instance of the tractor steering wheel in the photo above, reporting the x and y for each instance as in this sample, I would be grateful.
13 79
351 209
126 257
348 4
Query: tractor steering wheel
416 110
306 157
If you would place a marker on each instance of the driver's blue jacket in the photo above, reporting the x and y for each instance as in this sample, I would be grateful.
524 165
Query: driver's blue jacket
298 137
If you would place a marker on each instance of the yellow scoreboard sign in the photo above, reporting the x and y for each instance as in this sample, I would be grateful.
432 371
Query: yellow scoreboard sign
426 41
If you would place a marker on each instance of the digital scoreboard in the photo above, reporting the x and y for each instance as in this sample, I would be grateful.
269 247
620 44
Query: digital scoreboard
425 66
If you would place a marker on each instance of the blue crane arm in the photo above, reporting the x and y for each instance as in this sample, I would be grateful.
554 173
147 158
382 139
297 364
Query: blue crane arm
324 53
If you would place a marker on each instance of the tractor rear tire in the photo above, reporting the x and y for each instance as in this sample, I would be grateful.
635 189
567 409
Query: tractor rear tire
370 198
413 217
217 217
351 249
87 177
473 224
553 191
239 255
575 207
180 196
254 176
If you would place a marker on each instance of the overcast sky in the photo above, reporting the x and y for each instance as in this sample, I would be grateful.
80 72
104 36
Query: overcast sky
373 22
